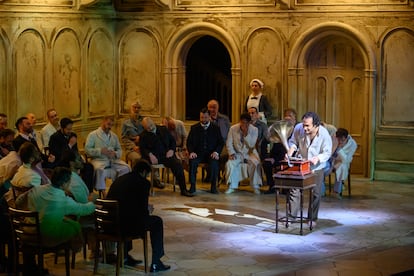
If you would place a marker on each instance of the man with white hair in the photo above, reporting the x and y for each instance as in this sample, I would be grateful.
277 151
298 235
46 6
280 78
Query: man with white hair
158 147
131 129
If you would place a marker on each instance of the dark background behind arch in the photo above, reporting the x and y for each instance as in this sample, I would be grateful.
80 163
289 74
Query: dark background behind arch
208 76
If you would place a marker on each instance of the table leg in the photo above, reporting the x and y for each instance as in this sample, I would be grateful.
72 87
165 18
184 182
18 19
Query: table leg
310 208
277 211
301 211
287 208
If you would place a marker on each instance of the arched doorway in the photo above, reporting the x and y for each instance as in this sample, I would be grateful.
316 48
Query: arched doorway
208 76
335 86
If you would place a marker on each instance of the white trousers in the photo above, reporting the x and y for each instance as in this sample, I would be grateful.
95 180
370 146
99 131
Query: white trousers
108 169
237 170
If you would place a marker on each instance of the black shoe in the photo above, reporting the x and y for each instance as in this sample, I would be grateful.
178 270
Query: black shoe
214 192
130 261
158 184
159 267
270 191
186 193
192 190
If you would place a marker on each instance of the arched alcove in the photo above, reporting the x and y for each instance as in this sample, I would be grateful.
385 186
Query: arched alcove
175 70
331 72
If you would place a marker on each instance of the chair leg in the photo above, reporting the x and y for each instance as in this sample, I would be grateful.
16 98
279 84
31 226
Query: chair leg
96 257
67 261
73 259
349 184
119 258
145 242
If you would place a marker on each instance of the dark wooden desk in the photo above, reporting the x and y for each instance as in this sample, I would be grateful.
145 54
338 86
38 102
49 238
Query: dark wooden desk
301 182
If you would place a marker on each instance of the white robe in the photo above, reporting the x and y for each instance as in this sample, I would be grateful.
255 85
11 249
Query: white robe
103 166
247 161
344 158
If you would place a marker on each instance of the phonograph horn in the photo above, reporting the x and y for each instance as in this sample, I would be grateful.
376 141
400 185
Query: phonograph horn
280 131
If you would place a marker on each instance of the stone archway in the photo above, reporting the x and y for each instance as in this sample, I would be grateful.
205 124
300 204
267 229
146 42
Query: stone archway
331 73
175 70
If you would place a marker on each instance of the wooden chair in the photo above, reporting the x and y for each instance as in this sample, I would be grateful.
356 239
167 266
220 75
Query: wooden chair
165 172
108 228
28 239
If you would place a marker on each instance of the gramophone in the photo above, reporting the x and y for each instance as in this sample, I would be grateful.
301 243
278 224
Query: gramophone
279 132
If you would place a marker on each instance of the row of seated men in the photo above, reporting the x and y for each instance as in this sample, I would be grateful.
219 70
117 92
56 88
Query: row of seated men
246 149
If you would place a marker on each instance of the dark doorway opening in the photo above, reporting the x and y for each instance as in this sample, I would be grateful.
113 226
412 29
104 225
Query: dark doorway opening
208 76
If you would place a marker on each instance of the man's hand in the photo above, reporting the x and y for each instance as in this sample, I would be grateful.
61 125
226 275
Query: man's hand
72 141
153 159
193 155
109 153
271 160
314 160
215 156
169 154
51 158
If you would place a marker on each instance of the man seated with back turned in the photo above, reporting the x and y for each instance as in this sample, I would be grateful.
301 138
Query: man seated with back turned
131 191
158 147
103 146
204 144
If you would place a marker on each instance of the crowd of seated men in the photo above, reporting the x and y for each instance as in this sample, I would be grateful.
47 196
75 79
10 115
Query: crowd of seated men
243 151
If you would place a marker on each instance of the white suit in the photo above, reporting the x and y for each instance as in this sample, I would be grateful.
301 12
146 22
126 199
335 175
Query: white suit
247 161
103 166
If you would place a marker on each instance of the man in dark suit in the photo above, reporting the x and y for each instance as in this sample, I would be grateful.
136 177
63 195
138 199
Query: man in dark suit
157 146
204 144
66 140
131 190
25 129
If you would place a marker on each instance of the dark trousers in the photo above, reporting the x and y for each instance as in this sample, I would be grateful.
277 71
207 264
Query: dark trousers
213 168
86 174
268 169
177 169
155 226
294 197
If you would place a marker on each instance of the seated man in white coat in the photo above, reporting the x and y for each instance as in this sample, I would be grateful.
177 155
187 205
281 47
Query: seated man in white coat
103 146
342 158
244 160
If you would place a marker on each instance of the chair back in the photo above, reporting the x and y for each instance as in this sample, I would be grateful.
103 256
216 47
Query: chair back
25 227
107 219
